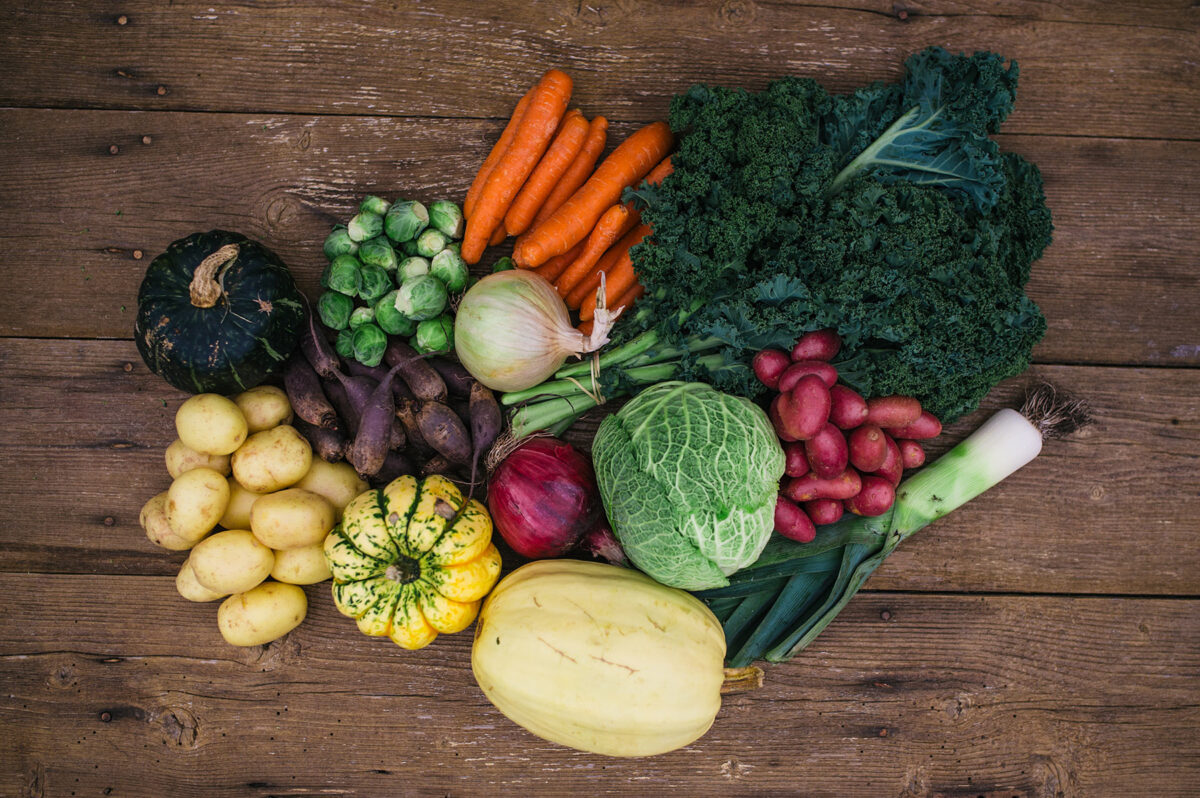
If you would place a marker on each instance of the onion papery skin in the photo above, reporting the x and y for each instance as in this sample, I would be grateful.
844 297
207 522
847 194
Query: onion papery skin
512 331
543 498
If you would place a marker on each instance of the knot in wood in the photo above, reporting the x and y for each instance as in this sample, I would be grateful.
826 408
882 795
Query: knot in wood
179 726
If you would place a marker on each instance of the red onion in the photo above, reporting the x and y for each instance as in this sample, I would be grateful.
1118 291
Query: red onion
602 544
543 498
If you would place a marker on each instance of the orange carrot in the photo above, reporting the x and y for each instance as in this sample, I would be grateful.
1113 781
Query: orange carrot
577 173
627 299
568 225
607 231
620 278
536 128
664 168
498 149
552 268
586 327
498 235
585 291
566 145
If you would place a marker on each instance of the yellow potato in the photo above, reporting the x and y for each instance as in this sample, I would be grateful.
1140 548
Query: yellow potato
231 562
261 615
237 512
303 566
153 519
271 460
291 519
190 589
180 459
210 424
337 482
196 500
264 407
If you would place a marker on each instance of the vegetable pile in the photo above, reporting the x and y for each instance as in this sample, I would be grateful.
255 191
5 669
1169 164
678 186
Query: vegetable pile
799 288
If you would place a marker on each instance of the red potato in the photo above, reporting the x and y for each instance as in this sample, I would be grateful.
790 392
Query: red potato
795 461
810 486
768 365
827 451
818 345
926 426
867 447
792 522
875 498
781 429
847 407
789 378
911 453
824 511
893 411
805 408
893 466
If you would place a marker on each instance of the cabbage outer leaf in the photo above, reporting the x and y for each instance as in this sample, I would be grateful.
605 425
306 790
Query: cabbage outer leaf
689 478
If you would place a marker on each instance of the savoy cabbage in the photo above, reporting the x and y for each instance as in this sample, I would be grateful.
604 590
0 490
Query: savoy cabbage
689 477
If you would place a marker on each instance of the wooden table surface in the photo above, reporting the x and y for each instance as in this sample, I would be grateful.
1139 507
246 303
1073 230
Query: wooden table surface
1043 641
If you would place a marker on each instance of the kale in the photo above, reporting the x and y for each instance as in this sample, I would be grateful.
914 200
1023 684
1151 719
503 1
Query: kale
888 215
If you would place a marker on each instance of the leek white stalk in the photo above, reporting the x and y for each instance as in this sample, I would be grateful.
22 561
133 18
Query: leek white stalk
512 331
778 605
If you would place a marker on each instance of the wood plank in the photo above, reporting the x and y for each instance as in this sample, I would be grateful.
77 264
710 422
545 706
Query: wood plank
1080 76
87 440
903 695
1117 286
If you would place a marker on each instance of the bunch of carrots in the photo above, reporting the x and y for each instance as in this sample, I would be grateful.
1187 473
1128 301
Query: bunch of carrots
541 184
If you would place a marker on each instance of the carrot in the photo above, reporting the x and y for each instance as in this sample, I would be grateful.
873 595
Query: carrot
536 128
577 173
620 278
498 235
627 299
498 149
566 145
552 268
628 164
586 327
587 287
660 172
608 231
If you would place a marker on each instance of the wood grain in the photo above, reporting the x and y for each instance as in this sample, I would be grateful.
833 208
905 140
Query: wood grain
97 464
904 695
1118 285
1096 68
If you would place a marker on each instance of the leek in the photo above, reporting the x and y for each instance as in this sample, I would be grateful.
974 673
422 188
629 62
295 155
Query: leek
774 608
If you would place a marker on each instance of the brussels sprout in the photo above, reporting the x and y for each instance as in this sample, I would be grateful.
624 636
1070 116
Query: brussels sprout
344 345
451 269
369 342
455 247
445 217
409 248
378 251
334 309
410 268
375 282
365 225
376 205
390 320
343 275
435 335
405 221
423 297
339 242
361 316
504 264
430 243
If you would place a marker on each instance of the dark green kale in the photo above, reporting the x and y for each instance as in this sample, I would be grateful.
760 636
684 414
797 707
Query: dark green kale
888 215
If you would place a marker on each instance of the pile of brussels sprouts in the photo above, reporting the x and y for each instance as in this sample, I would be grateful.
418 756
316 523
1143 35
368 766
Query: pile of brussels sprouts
392 270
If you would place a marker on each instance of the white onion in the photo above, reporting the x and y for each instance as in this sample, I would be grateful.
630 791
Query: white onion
512 331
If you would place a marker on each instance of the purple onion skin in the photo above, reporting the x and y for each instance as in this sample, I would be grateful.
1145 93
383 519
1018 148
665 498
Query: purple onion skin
602 544
543 498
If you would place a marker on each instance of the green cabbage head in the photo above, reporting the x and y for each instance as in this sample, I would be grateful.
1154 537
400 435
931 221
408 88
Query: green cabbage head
689 477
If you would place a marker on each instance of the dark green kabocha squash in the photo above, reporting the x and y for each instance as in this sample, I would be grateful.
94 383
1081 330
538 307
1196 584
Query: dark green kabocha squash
217 313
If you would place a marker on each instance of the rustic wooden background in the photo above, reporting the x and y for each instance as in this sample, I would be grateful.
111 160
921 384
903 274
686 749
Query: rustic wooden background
1044 641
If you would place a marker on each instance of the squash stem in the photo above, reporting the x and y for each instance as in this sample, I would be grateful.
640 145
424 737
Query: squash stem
742 680
205 290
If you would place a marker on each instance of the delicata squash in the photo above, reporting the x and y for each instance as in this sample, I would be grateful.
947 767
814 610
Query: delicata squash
412 560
